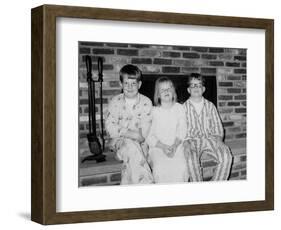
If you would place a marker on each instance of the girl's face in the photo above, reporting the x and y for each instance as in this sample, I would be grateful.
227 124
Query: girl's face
166 92
130 87
196 89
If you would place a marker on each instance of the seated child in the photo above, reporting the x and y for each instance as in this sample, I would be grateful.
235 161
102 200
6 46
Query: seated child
167 132
204 133
127 123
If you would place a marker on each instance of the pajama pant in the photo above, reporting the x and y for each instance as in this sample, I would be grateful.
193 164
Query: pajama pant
216 149
135 168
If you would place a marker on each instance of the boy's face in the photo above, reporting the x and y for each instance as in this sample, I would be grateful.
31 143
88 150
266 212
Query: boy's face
130 87
196 89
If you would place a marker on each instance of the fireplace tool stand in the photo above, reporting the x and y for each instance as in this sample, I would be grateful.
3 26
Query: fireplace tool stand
96 148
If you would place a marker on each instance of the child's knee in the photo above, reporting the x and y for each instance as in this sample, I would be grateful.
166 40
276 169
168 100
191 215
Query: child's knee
227 152
226 157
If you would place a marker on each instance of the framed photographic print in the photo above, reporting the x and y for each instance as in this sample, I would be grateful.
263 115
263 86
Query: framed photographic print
140 114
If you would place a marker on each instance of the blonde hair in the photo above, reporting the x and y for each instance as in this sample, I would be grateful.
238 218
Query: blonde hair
157 99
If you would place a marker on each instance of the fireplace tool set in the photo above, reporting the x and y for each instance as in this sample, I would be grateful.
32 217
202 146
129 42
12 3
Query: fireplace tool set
96 148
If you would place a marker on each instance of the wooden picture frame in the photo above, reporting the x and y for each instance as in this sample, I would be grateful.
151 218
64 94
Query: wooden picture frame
43 206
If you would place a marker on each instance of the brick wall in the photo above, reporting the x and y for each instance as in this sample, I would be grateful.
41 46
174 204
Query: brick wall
227 64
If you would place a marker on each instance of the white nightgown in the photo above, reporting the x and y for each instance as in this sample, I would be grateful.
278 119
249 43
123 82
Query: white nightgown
167 125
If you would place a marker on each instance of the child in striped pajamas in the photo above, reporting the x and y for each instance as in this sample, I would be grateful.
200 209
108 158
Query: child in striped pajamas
127 122
204 133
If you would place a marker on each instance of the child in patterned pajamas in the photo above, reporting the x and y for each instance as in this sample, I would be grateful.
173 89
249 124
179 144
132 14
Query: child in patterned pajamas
127 122
204 133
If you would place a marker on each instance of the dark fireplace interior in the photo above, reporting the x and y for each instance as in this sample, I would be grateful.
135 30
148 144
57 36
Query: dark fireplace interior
180 82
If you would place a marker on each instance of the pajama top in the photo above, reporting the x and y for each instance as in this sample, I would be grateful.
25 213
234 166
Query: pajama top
207 124
167 125
120 119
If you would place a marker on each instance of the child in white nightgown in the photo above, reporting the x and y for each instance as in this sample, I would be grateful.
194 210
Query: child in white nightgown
166 135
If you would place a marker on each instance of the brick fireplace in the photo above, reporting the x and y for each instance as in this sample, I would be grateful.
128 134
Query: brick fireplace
224 69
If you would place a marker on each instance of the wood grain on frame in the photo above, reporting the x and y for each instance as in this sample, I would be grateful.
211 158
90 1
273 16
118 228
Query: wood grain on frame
43 188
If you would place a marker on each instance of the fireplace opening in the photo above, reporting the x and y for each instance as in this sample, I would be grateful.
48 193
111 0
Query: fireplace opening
180 82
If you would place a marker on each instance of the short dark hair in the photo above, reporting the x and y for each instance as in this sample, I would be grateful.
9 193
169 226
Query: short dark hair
131 70
196 76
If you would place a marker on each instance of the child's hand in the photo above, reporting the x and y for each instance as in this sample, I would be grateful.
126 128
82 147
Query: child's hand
173 147
172 150
168 150
134 135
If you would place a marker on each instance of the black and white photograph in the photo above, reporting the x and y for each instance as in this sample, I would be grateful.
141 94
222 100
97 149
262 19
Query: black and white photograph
143 114
161 114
